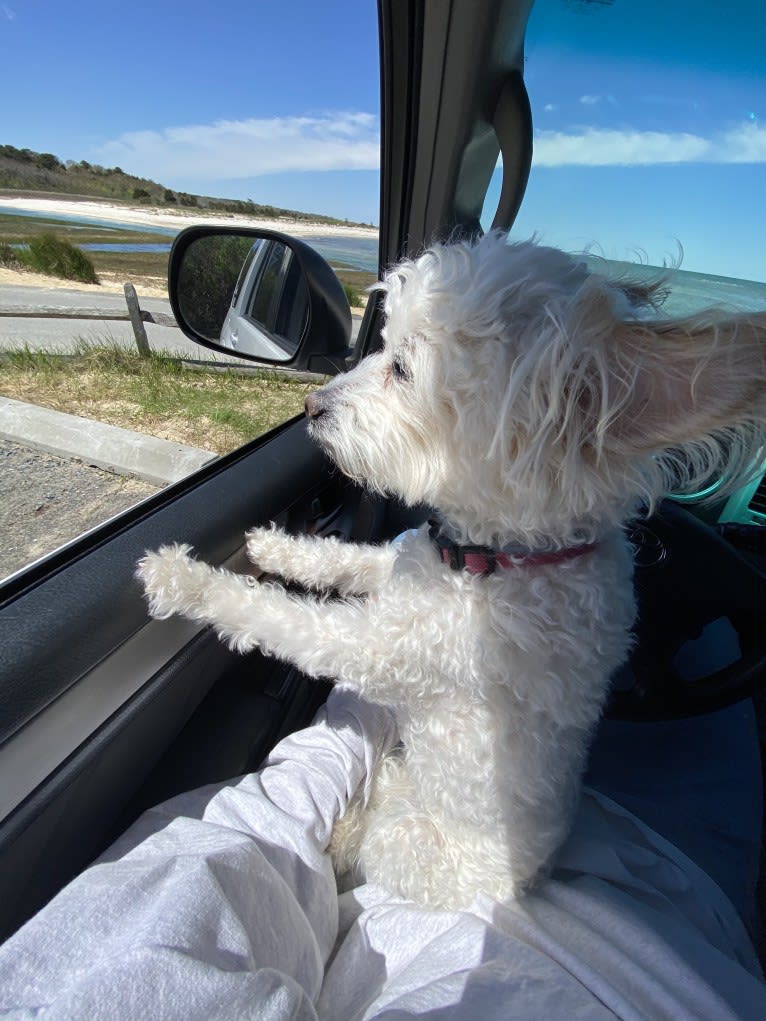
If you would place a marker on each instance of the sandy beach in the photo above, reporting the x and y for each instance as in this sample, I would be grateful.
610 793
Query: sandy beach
176 219
150 287
149 216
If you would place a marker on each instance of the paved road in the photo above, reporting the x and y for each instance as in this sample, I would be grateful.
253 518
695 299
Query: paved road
14 296
62 335
45 501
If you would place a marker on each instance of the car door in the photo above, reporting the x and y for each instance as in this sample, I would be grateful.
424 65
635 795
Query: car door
104 711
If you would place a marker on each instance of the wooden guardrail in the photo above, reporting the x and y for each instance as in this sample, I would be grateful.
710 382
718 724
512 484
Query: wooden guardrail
134 313
137 317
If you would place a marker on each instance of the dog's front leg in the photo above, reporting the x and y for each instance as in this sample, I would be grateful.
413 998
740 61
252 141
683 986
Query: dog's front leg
334 639
320 563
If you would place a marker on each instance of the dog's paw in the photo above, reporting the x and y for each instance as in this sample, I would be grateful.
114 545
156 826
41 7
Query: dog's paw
168 576
266 548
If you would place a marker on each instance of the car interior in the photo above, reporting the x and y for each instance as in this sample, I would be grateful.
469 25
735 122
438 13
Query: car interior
105 712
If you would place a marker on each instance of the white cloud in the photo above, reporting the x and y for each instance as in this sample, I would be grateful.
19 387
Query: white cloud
227 150
745 144
590 100
550 107
597 147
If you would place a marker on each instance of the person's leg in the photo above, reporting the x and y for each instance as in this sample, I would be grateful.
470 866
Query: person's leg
698 783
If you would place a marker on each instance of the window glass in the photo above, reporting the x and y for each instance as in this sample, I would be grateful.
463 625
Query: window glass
292 314
97 179
265 293
650 141
649 153
257 245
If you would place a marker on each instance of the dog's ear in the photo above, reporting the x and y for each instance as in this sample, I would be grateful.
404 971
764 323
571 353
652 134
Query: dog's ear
684 380
684 398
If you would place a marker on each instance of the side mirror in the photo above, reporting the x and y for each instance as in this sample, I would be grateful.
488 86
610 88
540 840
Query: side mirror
260 295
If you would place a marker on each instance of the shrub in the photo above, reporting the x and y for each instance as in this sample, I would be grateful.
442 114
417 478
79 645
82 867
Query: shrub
47 161
9 256
353 296
52 255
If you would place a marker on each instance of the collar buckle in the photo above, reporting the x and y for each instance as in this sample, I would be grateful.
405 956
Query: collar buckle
483 559
450 552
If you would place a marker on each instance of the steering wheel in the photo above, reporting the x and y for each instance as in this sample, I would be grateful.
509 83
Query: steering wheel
689 582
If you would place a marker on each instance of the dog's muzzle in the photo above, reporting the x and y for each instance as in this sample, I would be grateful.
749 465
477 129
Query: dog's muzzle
315 406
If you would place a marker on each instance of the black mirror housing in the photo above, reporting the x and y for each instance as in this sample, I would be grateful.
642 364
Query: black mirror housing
260 295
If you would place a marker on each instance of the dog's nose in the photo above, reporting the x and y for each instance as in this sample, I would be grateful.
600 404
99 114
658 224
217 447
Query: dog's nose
314 406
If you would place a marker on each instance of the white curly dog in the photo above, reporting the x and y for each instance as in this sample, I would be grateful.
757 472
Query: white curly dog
534 404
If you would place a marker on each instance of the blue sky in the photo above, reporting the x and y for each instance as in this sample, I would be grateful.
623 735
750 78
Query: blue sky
650 117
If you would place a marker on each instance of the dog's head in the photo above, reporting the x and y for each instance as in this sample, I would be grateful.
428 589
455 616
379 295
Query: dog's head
525 396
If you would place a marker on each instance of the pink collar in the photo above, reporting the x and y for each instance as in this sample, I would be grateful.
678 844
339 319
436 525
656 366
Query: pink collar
485 560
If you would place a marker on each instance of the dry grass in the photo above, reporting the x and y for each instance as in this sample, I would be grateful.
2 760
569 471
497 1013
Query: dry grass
216 411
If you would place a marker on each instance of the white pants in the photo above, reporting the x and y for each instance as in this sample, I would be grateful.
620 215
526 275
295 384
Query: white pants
222 904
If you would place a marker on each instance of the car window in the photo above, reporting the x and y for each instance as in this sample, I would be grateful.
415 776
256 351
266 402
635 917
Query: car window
91 196
265 293
650 142
249 260
649 155
292 309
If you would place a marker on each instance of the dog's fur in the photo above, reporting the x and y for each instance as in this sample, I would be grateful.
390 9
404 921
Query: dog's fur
530 402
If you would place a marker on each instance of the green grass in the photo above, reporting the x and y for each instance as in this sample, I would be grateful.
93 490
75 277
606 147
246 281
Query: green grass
353 296
132 264
214 410
355 283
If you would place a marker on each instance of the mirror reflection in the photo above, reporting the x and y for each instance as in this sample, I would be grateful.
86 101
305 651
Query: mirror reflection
250 296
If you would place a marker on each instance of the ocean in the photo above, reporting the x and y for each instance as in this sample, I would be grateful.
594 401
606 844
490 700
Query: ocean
691 292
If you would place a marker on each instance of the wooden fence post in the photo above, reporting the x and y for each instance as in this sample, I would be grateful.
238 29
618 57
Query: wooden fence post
139 331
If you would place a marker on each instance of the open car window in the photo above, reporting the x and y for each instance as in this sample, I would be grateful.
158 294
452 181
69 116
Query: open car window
650 142
649 155
91 198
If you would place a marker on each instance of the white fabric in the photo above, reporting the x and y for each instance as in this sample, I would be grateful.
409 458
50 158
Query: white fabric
222 904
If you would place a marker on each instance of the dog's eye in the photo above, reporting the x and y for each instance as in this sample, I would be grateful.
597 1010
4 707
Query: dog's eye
399 369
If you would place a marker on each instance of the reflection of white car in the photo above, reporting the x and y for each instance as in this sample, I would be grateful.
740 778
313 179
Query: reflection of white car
269 308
